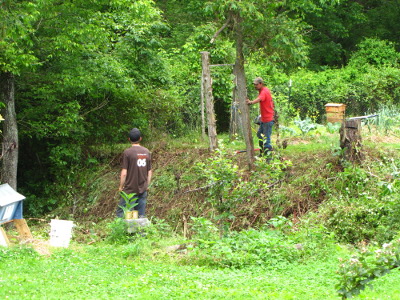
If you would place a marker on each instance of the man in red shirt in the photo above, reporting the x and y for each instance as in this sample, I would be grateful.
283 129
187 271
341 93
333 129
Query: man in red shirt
267 115
135 175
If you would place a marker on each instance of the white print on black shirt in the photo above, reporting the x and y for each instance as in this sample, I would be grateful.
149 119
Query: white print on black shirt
141 162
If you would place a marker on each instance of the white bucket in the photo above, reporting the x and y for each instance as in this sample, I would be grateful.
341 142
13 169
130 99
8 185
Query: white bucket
60 233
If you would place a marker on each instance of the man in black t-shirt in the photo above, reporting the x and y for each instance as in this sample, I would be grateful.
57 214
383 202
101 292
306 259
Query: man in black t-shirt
135 175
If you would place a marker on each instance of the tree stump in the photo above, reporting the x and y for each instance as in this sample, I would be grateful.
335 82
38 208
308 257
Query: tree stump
350 140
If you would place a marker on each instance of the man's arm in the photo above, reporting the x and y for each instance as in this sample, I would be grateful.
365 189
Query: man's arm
254 101
122 179
149 175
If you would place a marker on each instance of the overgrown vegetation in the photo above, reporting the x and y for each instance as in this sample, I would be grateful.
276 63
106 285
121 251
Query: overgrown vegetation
84 73
274 222
117 64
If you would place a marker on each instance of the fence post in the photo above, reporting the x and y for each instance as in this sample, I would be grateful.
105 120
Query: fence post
207 88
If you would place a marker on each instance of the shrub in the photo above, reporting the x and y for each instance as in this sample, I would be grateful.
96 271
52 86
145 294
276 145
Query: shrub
367 207
375 52
275 244
357 272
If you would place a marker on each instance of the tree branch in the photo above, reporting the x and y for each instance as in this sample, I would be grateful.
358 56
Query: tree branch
101 105
222 28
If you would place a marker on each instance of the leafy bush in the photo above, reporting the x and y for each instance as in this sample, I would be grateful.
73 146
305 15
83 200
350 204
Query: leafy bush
367 207
305 125
204 230
375 52
118 231
249 247
357 272
333 127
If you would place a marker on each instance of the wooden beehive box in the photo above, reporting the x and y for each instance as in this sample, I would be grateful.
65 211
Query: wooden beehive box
335 112
10 203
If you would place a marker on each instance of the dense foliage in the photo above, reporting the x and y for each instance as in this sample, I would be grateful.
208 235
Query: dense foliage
87 72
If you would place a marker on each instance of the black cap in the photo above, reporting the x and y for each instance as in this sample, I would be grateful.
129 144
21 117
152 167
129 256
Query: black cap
134 135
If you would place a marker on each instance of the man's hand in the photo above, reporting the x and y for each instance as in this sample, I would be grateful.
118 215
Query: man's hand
248 101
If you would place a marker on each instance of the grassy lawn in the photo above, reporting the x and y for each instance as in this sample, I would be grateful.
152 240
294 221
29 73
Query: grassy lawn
110 272
118 272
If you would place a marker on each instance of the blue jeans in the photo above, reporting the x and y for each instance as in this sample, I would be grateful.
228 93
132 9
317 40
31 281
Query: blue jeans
139 199
264 136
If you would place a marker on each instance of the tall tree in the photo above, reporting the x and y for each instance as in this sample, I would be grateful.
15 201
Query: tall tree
337 27
241 91
96 64
252 25
16 31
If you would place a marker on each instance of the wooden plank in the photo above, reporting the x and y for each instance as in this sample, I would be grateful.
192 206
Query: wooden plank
222 65
363 117
3 238
23 229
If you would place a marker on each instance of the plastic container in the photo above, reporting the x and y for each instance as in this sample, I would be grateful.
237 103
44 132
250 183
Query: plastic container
129 215
60 233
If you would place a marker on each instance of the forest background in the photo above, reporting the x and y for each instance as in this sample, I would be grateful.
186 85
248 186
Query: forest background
82 73
75 76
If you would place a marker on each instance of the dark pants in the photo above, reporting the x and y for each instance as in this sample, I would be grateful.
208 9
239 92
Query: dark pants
139 199
264 136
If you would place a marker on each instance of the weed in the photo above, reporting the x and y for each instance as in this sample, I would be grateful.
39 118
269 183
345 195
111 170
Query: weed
204 230
118 233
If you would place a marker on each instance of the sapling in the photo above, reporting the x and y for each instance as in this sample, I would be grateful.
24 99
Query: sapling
129 203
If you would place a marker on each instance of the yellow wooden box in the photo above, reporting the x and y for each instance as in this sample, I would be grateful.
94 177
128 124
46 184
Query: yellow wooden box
335 112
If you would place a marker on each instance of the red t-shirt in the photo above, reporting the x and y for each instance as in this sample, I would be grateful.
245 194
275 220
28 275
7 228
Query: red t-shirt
266 105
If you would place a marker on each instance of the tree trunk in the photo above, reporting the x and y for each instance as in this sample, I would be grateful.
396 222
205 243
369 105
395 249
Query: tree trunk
212 130
241 91
10 132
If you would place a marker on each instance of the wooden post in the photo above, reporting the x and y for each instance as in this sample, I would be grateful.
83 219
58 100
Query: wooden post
212 131
350 140
203 123
235 123
241 91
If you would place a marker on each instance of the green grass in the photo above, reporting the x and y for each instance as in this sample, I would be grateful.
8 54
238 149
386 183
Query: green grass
106 272
119 272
